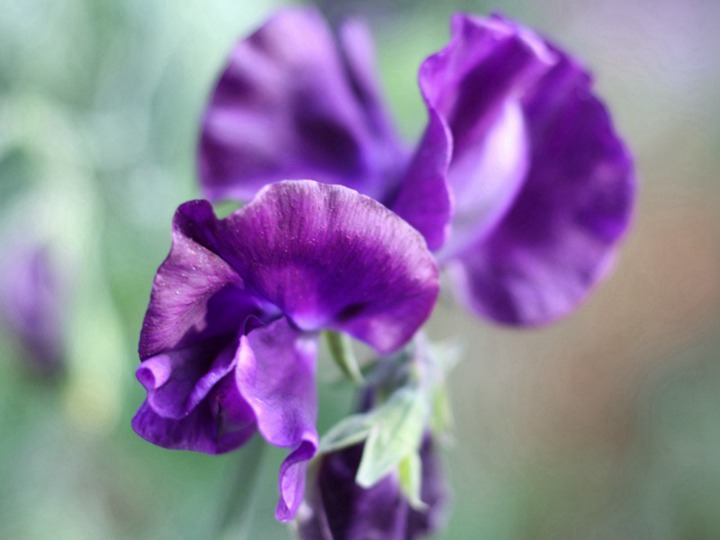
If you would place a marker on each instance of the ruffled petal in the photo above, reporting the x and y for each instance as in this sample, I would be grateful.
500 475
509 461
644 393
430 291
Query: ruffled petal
558 237
471 88
276 377
198 308
424 199
293 102
176 381
218 424
195 295
330 258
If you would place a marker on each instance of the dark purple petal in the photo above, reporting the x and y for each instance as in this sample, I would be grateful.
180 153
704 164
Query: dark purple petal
330 258
276 377
196 295
339 509
294 103
220 423
557 239
351 512
177 381
212 400
188 344
31 303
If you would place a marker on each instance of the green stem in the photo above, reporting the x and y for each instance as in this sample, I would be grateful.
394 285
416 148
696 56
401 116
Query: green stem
240 495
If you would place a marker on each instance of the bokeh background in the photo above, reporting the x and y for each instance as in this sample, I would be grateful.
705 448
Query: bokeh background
605 426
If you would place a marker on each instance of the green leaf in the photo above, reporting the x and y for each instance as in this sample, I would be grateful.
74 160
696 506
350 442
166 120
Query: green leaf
340 348
347 432
410 472
396 432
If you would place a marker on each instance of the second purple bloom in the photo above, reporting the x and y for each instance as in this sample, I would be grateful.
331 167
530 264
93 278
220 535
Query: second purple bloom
519 183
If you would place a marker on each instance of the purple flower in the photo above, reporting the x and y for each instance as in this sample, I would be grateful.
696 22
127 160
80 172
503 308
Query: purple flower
229 339
31 307
339 509
519 182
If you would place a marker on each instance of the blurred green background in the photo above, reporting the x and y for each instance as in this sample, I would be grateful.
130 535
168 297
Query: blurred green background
605 426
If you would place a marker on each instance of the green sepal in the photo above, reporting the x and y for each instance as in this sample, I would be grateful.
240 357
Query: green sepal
340 348
348 432
410 473
397 431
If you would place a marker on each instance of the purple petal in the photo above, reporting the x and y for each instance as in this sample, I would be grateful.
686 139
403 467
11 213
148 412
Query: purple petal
188 344
177 381
471 88
352 512
196 295
218 424
424 199
331 258
276 376
557 239
338 508
293 103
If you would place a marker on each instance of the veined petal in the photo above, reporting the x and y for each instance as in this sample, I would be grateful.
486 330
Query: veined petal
188 343
331 258
196 295
559 236
276 377
293 102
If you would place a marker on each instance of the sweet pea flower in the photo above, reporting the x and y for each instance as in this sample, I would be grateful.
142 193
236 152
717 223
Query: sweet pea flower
519 183
339 509
229 341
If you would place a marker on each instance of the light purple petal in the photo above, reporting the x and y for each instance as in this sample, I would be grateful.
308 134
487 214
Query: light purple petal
276 377
557 238
294 103
330 258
